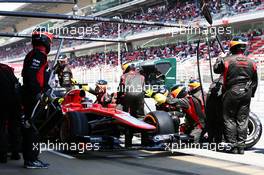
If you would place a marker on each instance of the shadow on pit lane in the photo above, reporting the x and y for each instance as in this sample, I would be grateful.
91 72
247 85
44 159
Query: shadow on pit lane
155 167
125 154
257 150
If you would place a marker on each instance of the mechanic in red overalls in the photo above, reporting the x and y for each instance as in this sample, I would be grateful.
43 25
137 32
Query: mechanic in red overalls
35 83
240 84
195 120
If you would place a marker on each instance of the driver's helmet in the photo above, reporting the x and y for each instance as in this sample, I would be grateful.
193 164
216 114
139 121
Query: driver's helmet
194 85
179 91
238 45
163 90
101 86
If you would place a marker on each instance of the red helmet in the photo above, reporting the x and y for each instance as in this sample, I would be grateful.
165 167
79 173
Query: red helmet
41 36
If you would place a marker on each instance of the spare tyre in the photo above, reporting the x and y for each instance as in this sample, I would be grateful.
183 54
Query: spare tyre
254 130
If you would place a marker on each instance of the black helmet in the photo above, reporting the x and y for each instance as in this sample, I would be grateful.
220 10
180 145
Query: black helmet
101 82
179 91
238 45
163 90
101 86
41 36
62 59
62 56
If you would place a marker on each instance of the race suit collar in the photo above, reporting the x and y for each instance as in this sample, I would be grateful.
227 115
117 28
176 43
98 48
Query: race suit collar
42 49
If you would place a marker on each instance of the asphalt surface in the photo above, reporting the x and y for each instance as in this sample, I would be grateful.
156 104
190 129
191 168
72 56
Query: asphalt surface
130 163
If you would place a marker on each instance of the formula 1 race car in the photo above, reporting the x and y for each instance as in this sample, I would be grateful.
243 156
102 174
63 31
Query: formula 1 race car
75 118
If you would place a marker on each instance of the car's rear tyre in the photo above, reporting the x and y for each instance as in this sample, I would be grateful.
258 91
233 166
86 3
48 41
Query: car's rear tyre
74 125
254 130
163 123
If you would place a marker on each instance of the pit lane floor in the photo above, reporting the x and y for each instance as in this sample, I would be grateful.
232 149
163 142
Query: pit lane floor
131 163
254 156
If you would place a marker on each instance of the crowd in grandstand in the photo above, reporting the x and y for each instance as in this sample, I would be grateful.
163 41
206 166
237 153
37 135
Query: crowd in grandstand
181 51
173 12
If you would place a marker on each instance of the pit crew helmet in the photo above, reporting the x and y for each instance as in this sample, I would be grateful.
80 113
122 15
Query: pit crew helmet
179 91
127 66
101 86
194 85
160 98
238 45
62 59
41 36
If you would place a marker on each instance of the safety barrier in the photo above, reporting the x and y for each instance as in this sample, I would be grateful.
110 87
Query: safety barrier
112 75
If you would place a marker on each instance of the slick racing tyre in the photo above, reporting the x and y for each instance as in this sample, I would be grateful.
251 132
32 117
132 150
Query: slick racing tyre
254 130
74 124
163 123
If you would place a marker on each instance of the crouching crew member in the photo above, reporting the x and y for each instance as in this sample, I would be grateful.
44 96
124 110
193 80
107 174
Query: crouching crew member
195 120
240 84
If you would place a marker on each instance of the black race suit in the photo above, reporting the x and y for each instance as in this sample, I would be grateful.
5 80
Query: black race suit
35 82
65 76
195 119
10 112
130 93
240 84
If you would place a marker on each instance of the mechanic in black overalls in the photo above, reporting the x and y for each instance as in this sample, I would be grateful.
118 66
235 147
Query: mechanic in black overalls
130 91
10 113
35 83
195 119
240 84
64 72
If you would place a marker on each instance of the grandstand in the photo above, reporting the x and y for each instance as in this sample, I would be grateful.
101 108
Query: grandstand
143 42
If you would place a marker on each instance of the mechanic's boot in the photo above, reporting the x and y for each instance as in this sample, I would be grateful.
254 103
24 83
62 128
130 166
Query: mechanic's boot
233 150
15 156
37 164
241 150
241 147
46 164
3 158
